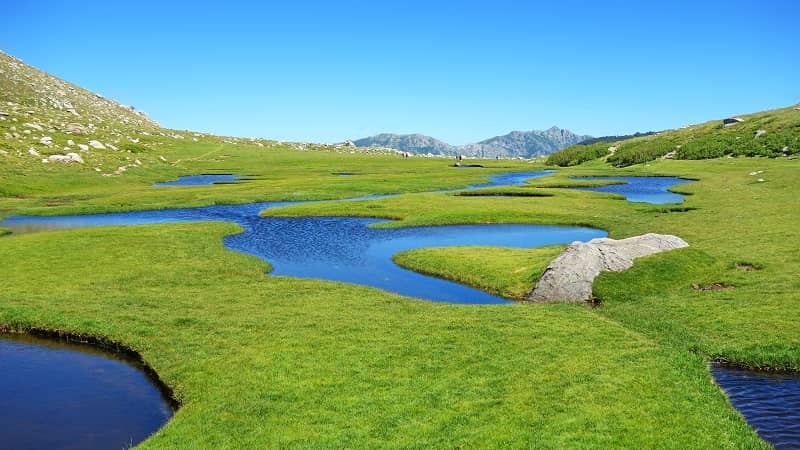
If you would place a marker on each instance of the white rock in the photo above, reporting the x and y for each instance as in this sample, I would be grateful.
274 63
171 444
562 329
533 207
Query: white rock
36 127
162 158
112 147
760 180
570 276
46 140
760 133
68 158
70 142
97 144
33 152
75 157
3 152
83 147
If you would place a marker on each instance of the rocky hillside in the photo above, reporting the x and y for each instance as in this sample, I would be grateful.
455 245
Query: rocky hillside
774 133
46 120
525 144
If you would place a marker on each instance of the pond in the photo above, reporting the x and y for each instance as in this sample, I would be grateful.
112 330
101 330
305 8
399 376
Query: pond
57 396
640 189
769 401
200 180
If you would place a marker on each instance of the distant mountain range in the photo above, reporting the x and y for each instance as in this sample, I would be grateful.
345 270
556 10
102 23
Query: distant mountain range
525 144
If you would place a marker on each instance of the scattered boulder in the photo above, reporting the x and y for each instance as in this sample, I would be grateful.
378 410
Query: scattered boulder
33 152
732 121
46 140
75 128
570 276
97 145
760 133
83 147
68 158
670 155
35 126
713 287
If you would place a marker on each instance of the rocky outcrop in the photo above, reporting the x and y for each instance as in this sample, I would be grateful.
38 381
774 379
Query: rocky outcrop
570 276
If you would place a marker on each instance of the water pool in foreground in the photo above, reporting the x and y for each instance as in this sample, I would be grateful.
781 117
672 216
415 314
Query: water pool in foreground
62 396
640 189
769 401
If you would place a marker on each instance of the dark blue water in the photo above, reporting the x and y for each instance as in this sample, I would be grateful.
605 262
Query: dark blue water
640 189
199 180
60 396
769 401
347 249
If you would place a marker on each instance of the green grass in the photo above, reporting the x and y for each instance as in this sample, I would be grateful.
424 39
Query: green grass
730 218
524 266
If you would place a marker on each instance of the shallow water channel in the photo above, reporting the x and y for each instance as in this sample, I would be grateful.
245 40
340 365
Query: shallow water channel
60 396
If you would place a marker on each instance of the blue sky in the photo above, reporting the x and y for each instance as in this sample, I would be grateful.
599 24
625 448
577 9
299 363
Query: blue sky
329 71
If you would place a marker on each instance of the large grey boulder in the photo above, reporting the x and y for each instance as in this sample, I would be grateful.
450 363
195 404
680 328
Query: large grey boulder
570 276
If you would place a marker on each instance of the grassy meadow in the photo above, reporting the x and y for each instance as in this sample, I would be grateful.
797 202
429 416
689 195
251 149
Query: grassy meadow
277 362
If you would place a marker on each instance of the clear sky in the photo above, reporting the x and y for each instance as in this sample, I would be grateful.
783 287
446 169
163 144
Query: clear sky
457 70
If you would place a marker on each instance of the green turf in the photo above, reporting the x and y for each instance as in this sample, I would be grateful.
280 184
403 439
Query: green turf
261 361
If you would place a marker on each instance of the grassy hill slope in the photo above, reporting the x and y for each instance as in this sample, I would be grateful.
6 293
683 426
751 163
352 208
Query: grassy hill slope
774 133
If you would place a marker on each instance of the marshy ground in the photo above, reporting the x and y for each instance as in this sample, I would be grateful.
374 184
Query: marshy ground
292 362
